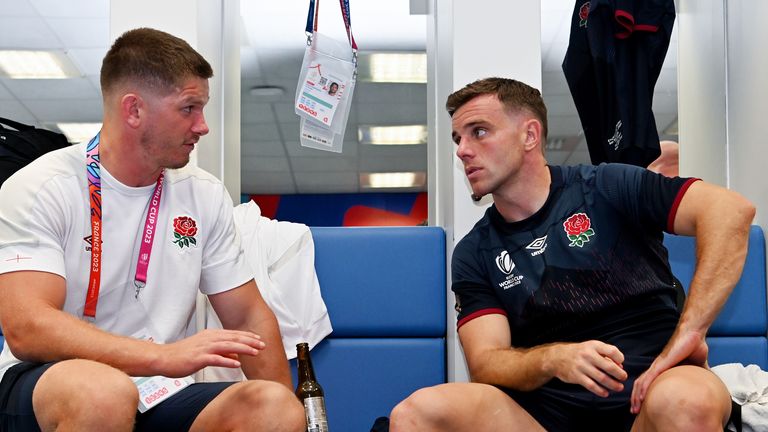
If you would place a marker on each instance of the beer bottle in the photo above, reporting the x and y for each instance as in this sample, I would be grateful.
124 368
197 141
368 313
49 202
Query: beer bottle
310 393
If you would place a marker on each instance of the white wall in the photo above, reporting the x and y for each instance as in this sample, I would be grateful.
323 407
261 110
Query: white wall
701 65
723 95
748 102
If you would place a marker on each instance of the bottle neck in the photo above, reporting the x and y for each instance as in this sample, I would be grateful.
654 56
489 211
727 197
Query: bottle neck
306 372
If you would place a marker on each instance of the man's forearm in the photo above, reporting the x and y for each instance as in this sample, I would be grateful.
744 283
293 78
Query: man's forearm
721 248
515 368
54 335
271 362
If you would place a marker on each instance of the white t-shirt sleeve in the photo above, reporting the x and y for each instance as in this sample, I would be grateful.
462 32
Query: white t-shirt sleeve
224 266
33 221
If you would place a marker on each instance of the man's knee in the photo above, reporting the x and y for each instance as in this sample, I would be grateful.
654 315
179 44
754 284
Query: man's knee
425 408
266 403
84 392
687 398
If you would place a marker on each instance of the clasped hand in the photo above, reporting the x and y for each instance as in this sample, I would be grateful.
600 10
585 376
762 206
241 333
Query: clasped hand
594 365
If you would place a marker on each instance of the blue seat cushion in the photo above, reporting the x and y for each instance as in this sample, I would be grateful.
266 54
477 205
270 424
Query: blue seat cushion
745 350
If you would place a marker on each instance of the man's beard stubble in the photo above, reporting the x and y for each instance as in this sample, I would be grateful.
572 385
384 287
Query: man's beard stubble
147 140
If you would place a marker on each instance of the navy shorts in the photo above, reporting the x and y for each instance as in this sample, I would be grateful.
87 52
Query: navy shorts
175 414
559 406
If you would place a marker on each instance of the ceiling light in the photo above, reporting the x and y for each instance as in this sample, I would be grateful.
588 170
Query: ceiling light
392 180
79 132
36 65
392 135
408 67
267 92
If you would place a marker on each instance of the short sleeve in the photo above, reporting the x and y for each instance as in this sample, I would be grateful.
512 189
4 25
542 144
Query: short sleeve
475 296
224 265
33 227
644 197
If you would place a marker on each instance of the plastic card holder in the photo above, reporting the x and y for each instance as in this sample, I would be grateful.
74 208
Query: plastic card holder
315 135
324 92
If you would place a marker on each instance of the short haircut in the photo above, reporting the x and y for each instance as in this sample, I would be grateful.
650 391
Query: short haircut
515 96
153 59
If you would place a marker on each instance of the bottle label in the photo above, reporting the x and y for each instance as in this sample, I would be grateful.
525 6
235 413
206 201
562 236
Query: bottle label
317 421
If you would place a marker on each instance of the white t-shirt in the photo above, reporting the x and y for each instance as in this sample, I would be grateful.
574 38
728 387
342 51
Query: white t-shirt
45 226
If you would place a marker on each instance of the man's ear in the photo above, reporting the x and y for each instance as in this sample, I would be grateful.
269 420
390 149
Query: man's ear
132 109
532 133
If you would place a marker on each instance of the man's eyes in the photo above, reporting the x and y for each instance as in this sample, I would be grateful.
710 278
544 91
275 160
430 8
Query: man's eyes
476 132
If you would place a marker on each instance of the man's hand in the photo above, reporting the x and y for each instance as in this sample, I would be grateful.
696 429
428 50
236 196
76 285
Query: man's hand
687 347
486 340
206 348
594 365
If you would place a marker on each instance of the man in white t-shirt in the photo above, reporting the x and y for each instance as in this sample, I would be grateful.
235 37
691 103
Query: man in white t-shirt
103 248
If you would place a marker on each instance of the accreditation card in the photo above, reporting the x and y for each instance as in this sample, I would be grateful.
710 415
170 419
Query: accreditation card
321 92
155 389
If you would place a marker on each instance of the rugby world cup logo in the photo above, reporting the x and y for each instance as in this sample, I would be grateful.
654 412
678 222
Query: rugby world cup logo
505 263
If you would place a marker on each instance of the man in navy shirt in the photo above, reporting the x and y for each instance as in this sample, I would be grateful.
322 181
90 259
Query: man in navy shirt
565 298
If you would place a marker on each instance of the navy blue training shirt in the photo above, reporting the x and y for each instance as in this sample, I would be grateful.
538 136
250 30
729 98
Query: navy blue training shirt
615 54
590 264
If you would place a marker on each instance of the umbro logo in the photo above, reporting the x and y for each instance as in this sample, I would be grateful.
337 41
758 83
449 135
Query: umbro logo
538 246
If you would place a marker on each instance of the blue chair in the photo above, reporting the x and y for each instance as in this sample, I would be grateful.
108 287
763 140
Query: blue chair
739 333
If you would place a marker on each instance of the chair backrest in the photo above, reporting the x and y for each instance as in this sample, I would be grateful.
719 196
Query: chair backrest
738 335
382 281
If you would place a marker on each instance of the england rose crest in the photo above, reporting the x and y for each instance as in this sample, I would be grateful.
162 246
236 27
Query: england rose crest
583 14
184 231
578 228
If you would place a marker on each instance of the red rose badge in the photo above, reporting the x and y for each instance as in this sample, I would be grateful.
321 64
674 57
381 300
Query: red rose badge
184 230
578 229
583 14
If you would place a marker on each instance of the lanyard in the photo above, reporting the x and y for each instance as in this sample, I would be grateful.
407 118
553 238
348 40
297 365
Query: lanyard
344 4
93 167
313 18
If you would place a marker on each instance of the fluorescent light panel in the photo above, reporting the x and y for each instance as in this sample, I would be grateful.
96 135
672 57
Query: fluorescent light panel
36 65
392 135
79 132
393 179
404 67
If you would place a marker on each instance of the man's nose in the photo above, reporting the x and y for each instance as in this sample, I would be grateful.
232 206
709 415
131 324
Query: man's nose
463 150
201 126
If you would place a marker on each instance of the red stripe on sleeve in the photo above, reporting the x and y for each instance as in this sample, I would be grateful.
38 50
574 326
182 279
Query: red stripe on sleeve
676 204
480 313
